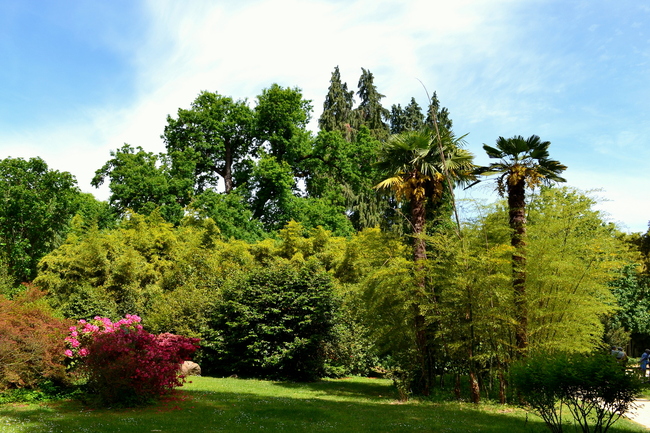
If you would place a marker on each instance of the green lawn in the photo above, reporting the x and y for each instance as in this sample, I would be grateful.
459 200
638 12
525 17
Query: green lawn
236 405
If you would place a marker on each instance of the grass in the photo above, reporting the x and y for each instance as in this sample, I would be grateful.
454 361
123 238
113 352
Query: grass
237 405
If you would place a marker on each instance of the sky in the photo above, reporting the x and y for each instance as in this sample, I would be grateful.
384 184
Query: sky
80 78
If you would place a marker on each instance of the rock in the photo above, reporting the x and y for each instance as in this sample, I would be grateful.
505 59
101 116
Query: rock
189 368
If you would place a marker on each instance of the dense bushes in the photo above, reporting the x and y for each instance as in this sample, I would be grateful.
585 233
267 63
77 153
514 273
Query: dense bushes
31 342
595 388
274 321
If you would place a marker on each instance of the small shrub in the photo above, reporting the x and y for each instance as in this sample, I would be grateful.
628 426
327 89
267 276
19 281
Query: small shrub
126 365
595 388
31 342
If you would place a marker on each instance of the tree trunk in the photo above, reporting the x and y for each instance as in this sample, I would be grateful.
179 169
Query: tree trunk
227 177
419 254
418 215
502 387
517 208
474 388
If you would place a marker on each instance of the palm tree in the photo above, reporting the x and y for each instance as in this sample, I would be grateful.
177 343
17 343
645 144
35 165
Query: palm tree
418 168
523 163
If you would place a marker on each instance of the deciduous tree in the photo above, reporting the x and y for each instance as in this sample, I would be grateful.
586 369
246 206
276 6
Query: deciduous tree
37 206
142 181
216 135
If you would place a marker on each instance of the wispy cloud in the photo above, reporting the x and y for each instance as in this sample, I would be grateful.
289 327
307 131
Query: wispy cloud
503 67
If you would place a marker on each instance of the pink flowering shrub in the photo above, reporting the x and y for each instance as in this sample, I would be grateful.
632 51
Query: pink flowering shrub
124 363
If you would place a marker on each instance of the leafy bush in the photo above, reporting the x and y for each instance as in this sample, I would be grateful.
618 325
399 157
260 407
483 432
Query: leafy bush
126 365
274 321
350 352
594 387
31 342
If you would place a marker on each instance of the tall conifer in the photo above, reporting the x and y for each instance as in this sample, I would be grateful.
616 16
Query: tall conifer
370 112
337 108
442 114
413 117
397 119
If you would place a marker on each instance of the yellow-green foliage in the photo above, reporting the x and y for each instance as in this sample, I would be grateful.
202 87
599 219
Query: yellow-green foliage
469 297
136 269
174 278
571 254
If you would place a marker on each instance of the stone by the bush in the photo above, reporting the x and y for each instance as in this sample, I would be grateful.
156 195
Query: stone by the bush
189 368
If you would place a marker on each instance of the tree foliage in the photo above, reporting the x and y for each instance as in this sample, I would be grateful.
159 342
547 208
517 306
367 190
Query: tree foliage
31 342
370 112
337 108
216 135
522 163
37 206
142 182
274 323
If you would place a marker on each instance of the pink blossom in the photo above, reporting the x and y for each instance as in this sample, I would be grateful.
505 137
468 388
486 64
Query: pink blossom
68 353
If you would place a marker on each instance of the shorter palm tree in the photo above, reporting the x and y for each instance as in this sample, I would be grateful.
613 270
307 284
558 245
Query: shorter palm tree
417 168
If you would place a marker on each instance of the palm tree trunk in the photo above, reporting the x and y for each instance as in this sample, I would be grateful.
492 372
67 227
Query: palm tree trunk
517 208
418 218
418 214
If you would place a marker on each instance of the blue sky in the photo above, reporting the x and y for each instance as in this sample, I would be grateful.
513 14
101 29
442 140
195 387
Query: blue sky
80 78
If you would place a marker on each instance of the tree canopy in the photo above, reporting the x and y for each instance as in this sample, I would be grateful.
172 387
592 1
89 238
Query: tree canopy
37 206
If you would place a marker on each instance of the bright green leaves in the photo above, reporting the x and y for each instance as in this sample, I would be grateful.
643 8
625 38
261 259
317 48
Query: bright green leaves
142 182
37 206
281 118
217 133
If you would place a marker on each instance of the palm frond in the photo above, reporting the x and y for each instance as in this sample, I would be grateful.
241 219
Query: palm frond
390 183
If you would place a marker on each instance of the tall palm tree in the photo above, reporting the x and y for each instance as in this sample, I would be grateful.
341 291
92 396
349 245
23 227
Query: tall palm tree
522 163
418 166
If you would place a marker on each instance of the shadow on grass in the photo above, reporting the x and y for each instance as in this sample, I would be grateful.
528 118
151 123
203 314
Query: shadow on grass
370 389
296 408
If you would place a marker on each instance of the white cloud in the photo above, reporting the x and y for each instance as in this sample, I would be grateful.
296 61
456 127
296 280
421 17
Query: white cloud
475 53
